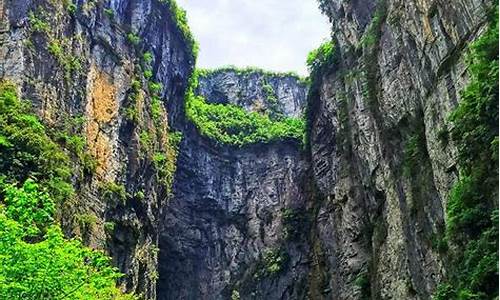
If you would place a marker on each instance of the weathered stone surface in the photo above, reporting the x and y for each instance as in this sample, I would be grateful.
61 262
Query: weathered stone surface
231 206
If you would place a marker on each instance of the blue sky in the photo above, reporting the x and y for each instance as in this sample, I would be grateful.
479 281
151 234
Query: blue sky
270 34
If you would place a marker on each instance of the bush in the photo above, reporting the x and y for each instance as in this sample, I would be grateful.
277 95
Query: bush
320 57
133 38
53 267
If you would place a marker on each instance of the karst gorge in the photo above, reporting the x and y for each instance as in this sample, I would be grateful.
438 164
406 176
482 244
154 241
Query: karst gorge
127 173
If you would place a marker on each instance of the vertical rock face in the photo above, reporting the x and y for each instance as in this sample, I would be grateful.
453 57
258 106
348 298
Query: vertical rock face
77 64
230 226
384 107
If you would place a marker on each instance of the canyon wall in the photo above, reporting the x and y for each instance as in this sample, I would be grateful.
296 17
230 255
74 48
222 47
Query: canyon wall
355 213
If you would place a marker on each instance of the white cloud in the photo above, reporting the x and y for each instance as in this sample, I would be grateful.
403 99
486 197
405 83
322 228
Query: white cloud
270 34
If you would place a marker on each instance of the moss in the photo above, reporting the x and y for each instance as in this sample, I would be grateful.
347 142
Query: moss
295 222
235 295
109 227
155 87
165 161
38 23
147 57
362 281
109 12
370 45
27 150
87 223
61 51
272 263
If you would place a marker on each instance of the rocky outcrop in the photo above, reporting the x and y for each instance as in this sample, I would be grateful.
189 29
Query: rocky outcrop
78 63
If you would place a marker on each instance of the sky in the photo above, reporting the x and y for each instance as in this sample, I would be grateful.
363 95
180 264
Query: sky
275 35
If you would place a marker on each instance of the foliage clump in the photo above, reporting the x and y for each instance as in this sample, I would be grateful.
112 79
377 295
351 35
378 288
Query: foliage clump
321 57
27 151
250 71
230 124
37 262
273 262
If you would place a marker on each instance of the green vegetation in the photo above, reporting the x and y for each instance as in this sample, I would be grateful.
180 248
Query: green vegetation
133 38
472 212
235 295
362 281
67 136
112 191
294 223
60 49
370 47
26 150
319 62
372 35
415 151
131 112
37 23
164 161
272 263
147 57
179 16
109 12
36 261
321 57
70 6
230 124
